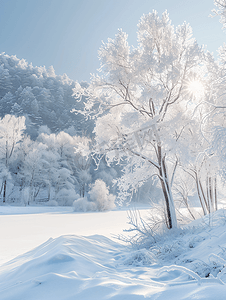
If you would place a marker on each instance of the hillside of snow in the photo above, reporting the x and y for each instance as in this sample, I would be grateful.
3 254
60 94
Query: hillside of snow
44 98
187 263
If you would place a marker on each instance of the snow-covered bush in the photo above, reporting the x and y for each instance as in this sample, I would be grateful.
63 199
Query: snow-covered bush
82 204
99 194
99 199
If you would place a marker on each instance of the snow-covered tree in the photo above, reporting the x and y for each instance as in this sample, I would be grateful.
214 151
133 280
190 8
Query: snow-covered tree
99 198
5 80
214 122
81 162
217 117
73 158
11 132
30 174
141 96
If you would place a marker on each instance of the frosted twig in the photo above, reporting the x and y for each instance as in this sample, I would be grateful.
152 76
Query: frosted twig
190 273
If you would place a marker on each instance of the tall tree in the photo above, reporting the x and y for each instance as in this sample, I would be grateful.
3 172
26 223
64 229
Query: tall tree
140 101
11 132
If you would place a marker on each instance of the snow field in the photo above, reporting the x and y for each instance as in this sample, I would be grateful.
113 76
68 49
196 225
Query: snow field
28 227
186 264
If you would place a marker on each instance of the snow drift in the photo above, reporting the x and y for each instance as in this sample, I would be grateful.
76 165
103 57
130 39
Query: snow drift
95 267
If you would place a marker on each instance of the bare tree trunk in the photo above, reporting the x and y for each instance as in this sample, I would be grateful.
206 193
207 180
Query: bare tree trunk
4 191
207 194
6 163
166 197
207 199
215 192
202 200
166 188
49 192
211 195
83 190
171 219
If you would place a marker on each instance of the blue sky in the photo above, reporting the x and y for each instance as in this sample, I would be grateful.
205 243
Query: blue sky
68 33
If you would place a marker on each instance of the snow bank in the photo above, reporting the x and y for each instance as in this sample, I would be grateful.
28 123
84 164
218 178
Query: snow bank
73 267
69 267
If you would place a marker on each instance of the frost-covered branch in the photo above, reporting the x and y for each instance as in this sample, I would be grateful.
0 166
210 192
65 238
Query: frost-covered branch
191 274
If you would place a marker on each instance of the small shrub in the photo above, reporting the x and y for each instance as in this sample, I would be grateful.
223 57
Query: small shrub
83 205
99 194
99 199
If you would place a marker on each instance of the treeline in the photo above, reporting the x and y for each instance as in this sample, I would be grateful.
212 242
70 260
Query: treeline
53 168
45 147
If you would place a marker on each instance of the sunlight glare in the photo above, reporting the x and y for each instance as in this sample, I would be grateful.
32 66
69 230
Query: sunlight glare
196 88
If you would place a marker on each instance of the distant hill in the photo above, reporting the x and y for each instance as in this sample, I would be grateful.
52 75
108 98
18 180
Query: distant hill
40 95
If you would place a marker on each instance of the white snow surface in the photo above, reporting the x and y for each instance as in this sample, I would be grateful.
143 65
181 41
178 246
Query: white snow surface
74 256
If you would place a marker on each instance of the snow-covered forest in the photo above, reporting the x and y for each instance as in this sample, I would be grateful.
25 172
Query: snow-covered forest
46 148
147 131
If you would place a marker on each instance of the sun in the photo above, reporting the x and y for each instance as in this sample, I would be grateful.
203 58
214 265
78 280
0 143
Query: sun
195 88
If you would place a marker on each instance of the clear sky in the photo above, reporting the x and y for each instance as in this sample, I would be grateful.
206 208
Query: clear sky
68 33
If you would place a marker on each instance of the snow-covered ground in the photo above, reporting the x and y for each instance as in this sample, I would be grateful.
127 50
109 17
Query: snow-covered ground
73 256
23 228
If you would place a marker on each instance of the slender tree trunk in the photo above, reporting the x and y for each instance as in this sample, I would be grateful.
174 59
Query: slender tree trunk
208 200
200 198
83 190
204 197
49 192
215 192
166 197
211 195
201 195
1 188
4 191
6 163
30 192
166 188
207 194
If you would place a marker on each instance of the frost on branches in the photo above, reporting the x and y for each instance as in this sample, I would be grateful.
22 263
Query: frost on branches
221 5
140 102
